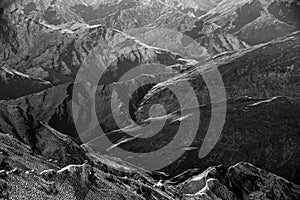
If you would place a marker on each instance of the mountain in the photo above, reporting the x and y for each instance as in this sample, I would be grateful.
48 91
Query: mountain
256 21
228 183
15 84
263 71
24 175
57 106
42 139
177 30
264 80
60 51
149 99
226 26
192 7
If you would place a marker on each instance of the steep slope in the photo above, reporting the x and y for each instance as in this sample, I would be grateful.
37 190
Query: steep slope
42 139
263 71
14 84
255 131
54 106
27 176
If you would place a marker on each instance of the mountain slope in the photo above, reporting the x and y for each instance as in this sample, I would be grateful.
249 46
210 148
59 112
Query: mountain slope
27 176
56 53
42 139
14 84
274 73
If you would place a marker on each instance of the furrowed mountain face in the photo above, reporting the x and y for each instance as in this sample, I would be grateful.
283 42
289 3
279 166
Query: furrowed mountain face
56 12
14 84
192 7
227 26
156 18
56 53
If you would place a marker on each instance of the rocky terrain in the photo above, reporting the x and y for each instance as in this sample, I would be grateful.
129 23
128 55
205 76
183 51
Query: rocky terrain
206 90
15 84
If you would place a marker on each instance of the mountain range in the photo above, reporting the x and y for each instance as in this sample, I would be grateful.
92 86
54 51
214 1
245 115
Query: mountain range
73 72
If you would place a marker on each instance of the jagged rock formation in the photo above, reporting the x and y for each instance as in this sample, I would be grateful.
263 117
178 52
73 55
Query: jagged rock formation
117 180
14 84
31 185
230 183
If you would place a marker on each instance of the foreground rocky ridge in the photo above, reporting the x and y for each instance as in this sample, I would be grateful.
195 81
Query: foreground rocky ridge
230 183
23 175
